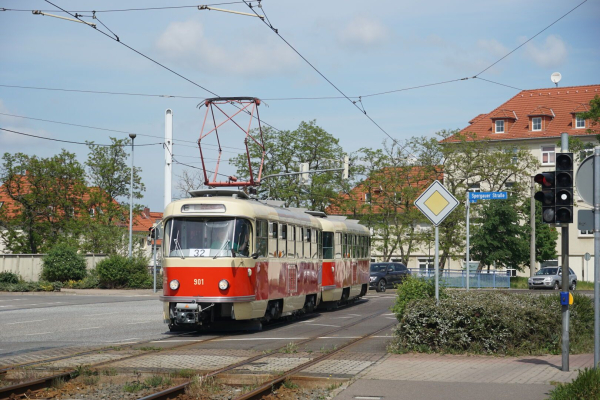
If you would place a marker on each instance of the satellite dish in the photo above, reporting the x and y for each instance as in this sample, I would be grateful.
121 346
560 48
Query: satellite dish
556 77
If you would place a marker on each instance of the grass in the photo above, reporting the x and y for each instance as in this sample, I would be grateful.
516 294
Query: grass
585 386
132 387
290 384
157 380
150 348
200 385
110 372
183 373
520 282
290 348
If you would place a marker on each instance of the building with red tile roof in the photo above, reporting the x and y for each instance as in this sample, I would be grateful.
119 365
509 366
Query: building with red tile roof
535 119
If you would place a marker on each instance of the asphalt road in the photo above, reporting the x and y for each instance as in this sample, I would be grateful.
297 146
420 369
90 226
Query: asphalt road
34 323
40 322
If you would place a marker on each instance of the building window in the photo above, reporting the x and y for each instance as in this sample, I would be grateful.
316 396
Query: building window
589 233
500 126
92 212
579 122
536 124
548 153
368 198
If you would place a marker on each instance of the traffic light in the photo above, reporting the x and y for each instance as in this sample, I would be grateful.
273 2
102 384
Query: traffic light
547 195
564 188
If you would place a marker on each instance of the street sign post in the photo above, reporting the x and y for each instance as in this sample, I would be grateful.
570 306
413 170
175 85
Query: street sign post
472 197
436 203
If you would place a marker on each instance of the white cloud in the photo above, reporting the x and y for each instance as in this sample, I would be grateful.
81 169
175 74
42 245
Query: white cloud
551 53
363 32
187 43
492 47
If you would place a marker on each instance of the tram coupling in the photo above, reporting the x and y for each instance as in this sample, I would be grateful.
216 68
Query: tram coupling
190 313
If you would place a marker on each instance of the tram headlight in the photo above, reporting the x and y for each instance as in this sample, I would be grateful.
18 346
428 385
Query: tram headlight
174 284
223 284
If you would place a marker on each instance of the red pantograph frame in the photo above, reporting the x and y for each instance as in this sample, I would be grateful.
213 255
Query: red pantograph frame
244 103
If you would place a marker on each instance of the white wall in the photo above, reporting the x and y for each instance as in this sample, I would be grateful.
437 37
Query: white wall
29 266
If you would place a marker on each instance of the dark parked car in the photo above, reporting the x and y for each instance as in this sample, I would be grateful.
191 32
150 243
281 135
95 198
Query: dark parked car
387 274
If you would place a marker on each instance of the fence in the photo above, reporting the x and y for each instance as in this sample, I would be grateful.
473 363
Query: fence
29 266
458 278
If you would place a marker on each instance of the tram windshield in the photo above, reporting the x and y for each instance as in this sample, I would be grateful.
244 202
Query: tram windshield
208 237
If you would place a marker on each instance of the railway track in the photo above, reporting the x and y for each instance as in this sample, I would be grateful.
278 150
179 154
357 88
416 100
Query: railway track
43 383
175 391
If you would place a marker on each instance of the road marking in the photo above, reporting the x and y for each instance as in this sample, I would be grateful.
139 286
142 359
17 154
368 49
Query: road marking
6 306
83 329
368 397
338 337
354 315
123 340
93 315
342 317
291 338
25 305
25 322
386 336
312 320
388 314
137 323
41 333
335 326
390 318
177 340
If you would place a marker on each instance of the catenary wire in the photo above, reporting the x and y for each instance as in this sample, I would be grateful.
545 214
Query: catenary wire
116 131
154 61
129 9
531 38
73 142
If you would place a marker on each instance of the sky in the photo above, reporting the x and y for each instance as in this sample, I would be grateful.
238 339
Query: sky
363 48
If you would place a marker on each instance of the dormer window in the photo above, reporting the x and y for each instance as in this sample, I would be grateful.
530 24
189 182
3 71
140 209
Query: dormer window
536 123
579 122
499 126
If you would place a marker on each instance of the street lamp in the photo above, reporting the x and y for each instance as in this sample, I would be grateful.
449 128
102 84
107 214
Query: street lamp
132 136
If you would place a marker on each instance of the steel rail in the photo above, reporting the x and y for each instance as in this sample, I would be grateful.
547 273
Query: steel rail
178 390
21 388
267 387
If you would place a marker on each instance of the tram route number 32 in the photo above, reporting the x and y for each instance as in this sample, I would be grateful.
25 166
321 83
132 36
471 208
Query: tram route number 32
199 252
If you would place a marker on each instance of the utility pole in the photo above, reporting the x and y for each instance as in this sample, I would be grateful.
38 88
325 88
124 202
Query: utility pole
596 256
564 137
532 244
132 136
168 155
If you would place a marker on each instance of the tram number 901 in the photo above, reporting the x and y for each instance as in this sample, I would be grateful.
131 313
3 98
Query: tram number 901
198 281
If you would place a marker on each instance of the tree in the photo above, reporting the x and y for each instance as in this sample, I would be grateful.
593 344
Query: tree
47 197
499 238
545 235
467 162
109 172
284 151
391 185
593 114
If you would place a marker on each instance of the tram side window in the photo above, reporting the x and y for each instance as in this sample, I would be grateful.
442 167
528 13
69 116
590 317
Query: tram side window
314 235
320 244
291 241
363 246
351 246
307 242
262 237
338 245
273 229
355 246
299 243
327 245
282 240
345 245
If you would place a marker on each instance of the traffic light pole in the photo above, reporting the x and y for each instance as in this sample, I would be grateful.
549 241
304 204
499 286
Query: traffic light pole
565 275
596 256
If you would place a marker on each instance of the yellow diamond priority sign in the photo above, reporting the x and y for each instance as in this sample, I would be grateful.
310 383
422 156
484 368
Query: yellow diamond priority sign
436 203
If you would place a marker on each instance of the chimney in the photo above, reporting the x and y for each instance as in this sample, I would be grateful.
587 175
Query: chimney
146 213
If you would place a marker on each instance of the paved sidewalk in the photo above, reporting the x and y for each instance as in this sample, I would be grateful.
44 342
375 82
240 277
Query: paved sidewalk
112 292
427 376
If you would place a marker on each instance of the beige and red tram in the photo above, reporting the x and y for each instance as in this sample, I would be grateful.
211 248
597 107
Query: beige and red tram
228 257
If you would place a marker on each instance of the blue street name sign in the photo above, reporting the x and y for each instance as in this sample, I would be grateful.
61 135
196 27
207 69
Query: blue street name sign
474 196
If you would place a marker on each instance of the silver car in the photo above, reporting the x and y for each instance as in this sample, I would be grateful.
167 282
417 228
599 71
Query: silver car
551 278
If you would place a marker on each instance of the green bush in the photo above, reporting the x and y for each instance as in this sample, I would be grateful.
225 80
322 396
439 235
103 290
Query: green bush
62 263
41 286
492 323
413 288
9 277
118 271
585 386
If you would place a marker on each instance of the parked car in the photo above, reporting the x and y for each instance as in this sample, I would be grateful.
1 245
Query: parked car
387 274
551 278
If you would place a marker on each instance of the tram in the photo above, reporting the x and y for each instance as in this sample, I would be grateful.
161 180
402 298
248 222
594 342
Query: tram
227 257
